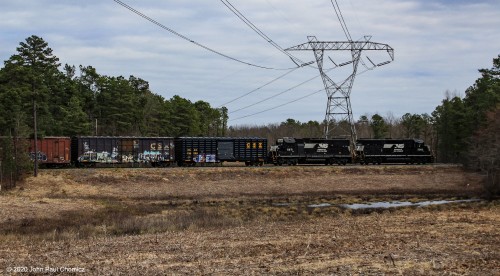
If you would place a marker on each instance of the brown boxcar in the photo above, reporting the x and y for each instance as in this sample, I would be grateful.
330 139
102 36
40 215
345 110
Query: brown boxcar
52 151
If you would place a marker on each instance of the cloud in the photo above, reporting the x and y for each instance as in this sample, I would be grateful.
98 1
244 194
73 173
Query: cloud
439 46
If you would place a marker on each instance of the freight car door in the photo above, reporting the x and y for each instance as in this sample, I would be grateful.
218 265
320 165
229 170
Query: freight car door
127 150
225 151
56 152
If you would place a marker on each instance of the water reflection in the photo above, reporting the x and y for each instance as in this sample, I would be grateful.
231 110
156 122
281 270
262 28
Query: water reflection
394 204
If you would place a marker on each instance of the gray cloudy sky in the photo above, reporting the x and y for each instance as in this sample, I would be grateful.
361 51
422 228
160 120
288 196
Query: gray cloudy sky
439 46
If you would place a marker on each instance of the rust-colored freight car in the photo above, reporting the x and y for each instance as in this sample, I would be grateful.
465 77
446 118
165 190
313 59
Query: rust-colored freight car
52 151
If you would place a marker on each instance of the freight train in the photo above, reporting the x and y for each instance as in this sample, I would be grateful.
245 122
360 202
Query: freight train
95 151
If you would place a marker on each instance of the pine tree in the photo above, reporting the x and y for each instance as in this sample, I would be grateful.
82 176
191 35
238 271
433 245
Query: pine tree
379 126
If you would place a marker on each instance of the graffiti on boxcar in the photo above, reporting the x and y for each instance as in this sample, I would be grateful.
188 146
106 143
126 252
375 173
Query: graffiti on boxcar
155 152
99 157
154 156
41 156
205 158
91 155
127 158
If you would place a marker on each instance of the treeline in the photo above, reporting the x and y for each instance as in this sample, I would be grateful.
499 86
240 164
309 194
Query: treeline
468 129
84 102
79 101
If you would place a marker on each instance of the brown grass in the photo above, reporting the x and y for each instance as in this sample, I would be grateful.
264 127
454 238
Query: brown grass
222 182
249 221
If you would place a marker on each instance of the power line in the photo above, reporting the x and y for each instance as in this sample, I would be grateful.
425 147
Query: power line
275 95
357 17
292 101
341 19
258 88
281 14
192 41
269 109
234 10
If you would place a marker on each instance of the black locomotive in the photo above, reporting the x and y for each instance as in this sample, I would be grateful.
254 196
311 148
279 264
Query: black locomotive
377 151
293 151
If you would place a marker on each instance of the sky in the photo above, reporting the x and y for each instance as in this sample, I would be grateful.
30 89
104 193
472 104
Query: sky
205 52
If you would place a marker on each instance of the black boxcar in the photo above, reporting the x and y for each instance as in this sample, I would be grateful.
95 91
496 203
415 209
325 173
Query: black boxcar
294 151
131 151
192 150
378 151
251 150
202 150
52 151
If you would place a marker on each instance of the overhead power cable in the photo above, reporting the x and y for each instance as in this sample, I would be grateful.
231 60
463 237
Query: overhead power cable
192 41
292 101
341 20
258 88
276 95
245 20
269 109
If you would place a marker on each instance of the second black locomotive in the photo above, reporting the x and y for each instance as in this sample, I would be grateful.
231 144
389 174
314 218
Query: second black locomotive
377 151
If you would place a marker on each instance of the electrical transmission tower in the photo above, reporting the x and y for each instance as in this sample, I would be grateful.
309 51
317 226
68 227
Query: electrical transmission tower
339 121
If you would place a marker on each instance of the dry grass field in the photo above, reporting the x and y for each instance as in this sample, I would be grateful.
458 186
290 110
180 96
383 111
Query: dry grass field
237 220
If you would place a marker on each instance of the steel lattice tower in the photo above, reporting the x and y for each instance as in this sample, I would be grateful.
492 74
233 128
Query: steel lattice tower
339 121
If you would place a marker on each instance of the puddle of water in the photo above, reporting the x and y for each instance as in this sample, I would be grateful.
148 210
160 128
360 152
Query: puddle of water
379 205
394 204
321 205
